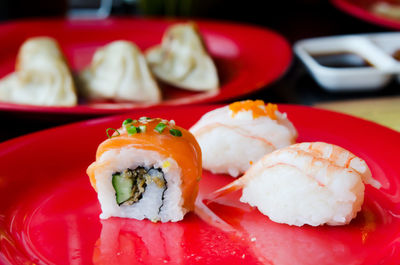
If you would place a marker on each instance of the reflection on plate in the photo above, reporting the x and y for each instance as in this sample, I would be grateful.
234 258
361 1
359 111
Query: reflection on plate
247 58
381 12
49 212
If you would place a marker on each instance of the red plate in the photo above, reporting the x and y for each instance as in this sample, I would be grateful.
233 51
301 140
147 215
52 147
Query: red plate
363 10
49 212
247 57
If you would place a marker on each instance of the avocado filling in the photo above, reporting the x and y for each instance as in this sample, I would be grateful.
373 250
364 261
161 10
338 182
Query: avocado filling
130 185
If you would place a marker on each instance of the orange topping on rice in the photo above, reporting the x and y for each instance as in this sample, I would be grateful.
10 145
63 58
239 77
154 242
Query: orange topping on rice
258 108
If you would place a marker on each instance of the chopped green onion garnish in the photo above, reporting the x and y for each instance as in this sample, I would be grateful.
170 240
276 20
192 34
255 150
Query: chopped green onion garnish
175 132
160 127
127 121
110 136
142 128
144 118
131 129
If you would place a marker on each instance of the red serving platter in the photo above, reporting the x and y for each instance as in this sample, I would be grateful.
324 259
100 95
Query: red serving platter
362 9
49 213
248 58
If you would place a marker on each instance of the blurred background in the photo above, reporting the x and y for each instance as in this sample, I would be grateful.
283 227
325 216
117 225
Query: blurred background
295 20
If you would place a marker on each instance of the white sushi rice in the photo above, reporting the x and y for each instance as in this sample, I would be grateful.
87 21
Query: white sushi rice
299 189
148 207
228 151
230 144
291 197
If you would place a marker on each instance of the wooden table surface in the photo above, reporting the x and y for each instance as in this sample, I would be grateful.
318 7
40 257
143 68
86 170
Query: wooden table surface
385 111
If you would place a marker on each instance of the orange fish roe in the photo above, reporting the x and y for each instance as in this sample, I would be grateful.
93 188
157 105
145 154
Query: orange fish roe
258 108
270 109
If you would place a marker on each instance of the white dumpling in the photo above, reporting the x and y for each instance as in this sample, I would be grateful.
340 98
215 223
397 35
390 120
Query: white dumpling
42 76
182 59
119 71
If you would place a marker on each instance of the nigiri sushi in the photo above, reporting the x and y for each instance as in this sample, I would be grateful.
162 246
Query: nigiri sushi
148 169
308 183
235 136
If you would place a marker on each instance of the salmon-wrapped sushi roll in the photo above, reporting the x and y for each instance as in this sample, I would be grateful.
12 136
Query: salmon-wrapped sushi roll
148 169
235 136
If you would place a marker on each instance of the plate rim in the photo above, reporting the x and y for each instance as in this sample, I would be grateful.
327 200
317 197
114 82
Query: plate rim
365 15
16 140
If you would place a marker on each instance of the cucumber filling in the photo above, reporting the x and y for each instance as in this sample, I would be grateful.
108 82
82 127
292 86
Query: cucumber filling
130 185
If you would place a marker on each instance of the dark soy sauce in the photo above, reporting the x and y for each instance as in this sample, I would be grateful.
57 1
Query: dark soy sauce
396 55
341 60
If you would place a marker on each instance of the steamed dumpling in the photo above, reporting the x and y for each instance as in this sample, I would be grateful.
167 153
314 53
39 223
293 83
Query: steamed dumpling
119 71
42 76
182 59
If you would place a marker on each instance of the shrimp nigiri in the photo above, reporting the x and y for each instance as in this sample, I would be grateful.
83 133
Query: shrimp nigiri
233 137
308 183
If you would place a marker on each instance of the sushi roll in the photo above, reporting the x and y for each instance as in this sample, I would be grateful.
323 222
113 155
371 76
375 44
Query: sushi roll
235 136
308 183
148 169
